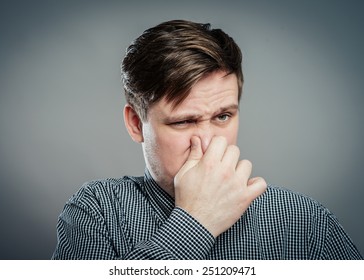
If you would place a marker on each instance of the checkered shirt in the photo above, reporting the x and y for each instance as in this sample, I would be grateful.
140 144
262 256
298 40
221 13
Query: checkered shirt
133 218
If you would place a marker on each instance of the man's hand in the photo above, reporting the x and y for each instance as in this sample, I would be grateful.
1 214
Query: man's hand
215 187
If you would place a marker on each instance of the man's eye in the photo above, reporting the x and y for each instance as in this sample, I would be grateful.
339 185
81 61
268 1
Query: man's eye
223 117
183 123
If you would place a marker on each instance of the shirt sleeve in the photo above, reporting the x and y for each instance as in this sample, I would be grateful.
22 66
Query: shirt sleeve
83 233
180 237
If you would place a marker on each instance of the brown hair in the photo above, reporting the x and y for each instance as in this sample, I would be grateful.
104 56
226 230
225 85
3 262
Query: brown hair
168 59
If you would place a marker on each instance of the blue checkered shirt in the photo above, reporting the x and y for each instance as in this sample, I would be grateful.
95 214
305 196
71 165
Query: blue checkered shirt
133 218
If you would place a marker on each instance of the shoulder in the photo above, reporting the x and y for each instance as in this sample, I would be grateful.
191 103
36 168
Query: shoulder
281 199
288 196
292 210
107 191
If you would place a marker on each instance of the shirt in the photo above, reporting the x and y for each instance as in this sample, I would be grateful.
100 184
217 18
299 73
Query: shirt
134 218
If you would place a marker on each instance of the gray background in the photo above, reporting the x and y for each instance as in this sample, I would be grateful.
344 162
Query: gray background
61 102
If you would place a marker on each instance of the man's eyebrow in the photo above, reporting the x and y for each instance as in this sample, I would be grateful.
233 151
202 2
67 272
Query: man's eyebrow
187 116
181 117
232 107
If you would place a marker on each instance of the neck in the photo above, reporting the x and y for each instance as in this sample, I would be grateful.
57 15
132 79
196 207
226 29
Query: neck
166 185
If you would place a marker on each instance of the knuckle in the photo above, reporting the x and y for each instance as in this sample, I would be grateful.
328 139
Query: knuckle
208 165
227 173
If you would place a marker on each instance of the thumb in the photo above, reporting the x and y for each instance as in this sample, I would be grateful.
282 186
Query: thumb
196 149
193 158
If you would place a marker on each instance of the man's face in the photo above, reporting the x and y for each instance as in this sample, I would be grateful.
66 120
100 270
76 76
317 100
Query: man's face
211 109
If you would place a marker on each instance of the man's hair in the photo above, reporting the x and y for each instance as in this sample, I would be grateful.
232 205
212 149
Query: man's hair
168 59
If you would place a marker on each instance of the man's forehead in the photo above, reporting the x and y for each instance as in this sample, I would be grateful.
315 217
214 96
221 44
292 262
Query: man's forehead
213 92
216 85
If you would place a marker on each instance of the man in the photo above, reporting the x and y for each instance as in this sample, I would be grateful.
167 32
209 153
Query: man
183 83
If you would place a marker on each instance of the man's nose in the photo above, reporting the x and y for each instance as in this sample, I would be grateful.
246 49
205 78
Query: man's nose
205 133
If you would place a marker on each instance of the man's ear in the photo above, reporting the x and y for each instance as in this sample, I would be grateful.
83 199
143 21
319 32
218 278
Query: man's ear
133 124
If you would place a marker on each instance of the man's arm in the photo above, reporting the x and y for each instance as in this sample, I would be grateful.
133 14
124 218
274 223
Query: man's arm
181 237
87 231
